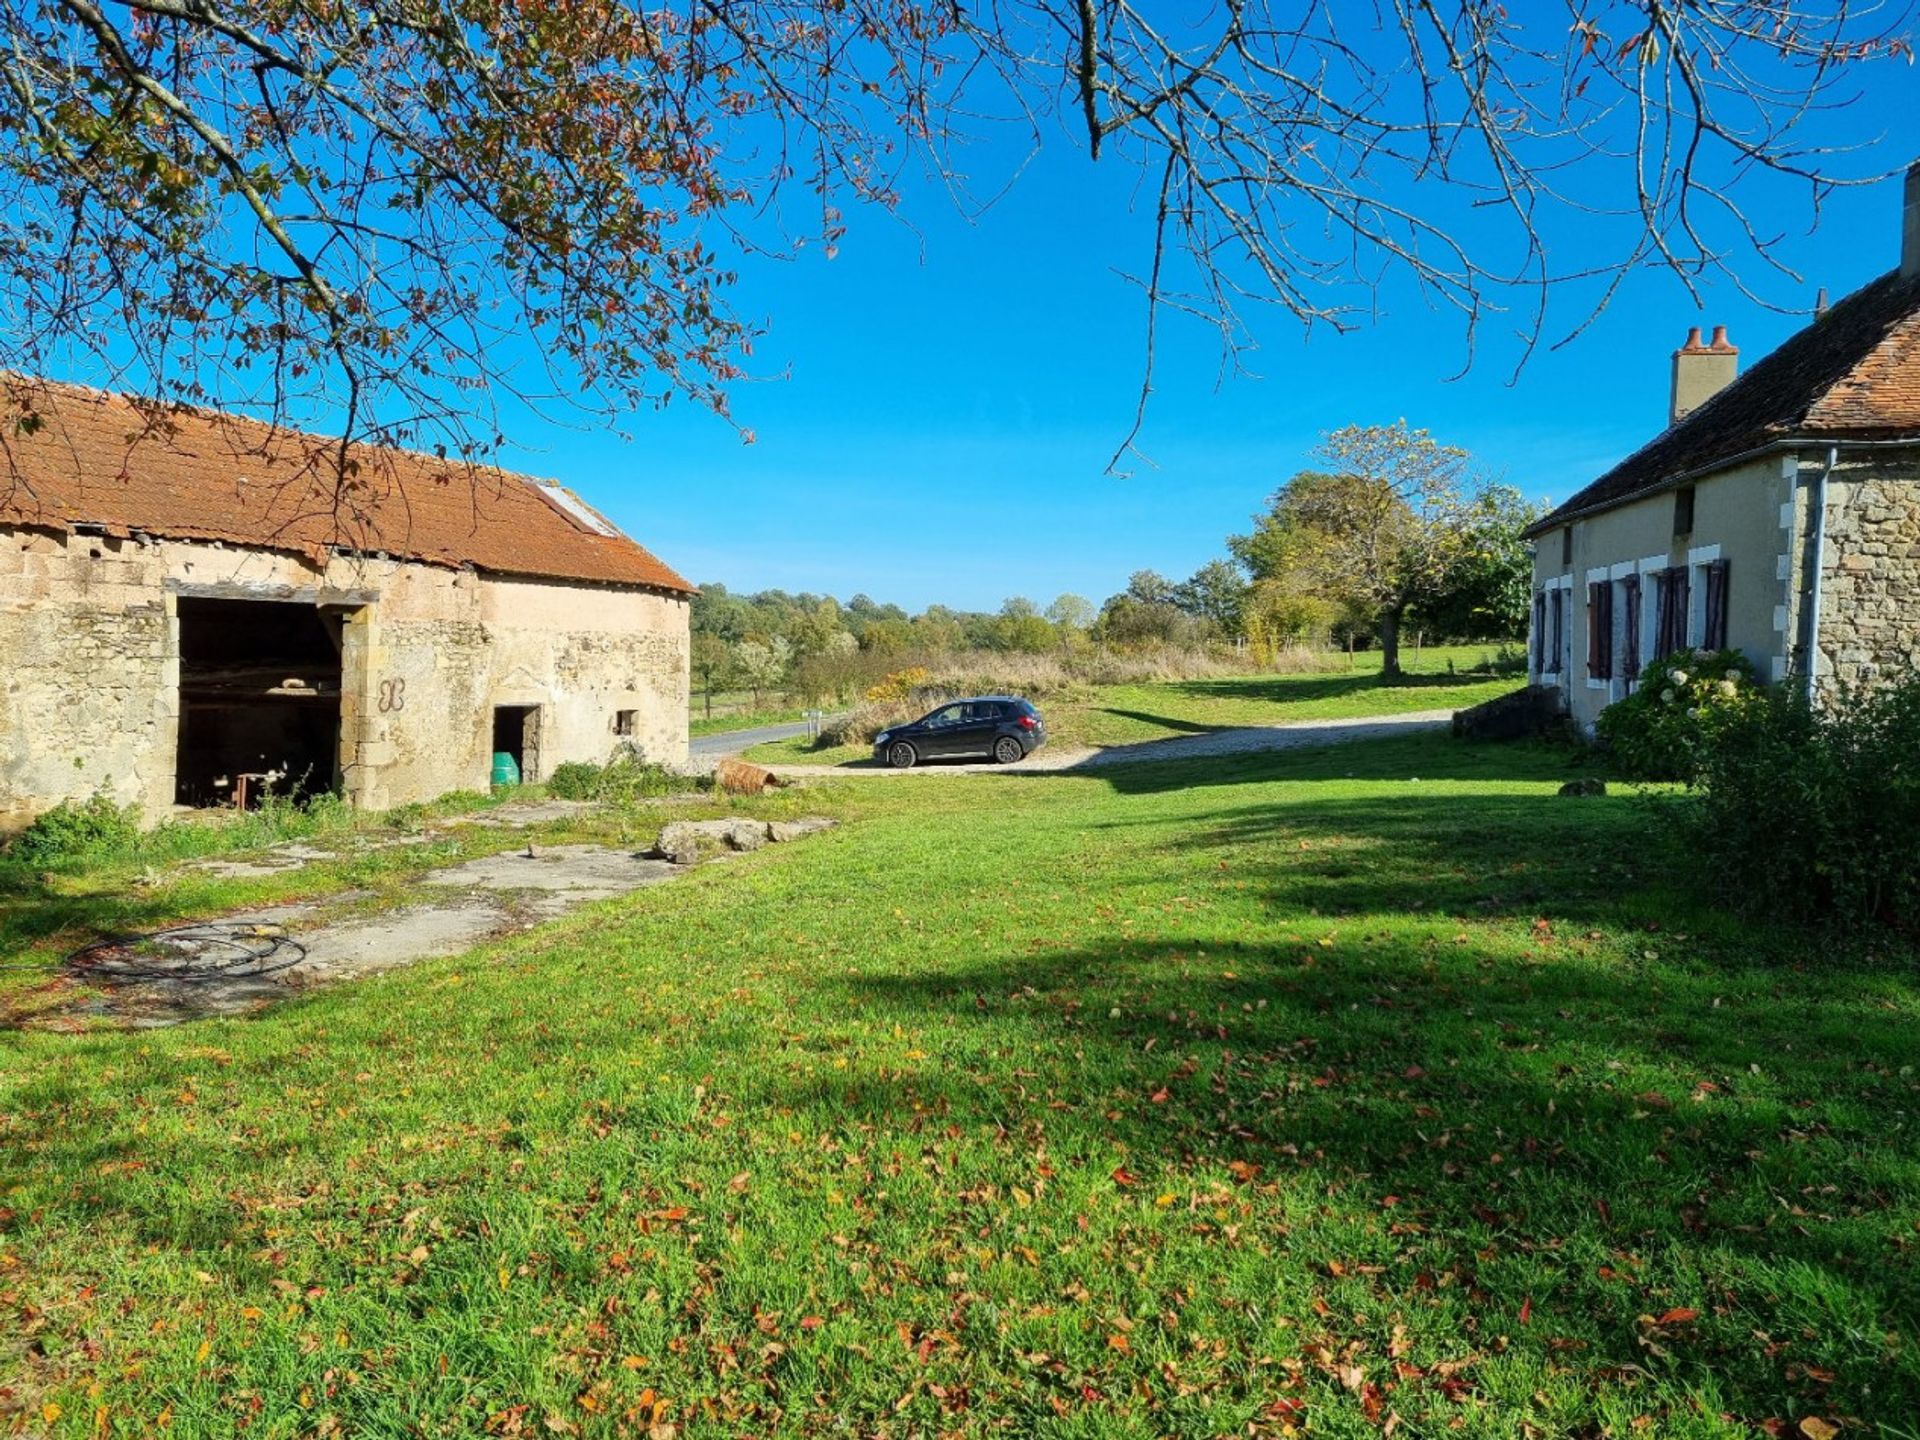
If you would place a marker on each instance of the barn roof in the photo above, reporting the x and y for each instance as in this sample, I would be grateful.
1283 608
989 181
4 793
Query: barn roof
71 456
1852 374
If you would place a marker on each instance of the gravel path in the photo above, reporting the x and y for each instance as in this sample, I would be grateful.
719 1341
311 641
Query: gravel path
1290 736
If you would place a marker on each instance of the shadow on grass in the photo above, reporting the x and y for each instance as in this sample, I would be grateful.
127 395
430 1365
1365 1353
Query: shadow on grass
1168 722
1373 749
1295 689
1570 1135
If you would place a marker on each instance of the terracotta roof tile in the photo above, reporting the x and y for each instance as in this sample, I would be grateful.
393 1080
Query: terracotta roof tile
1854 373
95 458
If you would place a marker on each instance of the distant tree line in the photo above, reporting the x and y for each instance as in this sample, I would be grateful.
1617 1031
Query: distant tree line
1391 530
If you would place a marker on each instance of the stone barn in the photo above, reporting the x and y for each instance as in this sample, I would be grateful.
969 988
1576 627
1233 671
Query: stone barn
195 607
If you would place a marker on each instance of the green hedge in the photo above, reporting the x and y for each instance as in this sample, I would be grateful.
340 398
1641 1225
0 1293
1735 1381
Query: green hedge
1815 815
1674 718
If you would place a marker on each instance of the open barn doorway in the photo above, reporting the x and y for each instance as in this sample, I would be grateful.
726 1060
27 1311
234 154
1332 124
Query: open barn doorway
516 733
259 701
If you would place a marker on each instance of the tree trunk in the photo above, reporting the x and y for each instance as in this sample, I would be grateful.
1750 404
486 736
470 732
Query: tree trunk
1390 644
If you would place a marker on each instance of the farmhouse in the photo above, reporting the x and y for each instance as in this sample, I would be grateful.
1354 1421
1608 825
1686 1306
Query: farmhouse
195 606
1777 514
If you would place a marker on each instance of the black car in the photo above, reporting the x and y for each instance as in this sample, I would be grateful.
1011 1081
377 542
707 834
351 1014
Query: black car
1002 726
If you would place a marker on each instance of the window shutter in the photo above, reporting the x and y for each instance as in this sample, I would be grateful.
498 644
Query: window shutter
1630 648
1593 631
1716 637
1673 610
1599 630
1606 630
1539 632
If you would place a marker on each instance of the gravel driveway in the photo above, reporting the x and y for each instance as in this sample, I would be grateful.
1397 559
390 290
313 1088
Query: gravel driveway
1293 735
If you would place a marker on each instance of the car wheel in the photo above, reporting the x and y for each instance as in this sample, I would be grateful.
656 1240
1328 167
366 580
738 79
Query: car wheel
1007 750
901 755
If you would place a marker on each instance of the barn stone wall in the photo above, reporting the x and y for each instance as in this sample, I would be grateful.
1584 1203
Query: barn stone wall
89 667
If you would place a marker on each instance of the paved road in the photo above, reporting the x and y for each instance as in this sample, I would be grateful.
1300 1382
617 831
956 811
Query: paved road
732 742
1293 735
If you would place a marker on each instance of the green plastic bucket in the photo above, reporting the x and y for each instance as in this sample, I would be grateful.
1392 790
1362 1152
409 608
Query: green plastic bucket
506 770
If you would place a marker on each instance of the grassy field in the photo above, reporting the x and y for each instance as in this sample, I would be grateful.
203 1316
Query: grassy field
1361 1091
1437 679
742 717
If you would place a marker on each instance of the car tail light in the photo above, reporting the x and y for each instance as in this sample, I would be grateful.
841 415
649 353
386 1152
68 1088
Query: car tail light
1026 722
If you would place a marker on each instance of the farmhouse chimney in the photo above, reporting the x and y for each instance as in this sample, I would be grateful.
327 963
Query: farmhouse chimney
1701 370
1910 225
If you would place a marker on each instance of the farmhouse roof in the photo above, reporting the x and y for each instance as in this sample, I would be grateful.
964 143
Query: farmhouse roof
72 457
1852 374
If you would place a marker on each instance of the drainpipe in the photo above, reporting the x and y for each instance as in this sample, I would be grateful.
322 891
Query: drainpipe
1816 543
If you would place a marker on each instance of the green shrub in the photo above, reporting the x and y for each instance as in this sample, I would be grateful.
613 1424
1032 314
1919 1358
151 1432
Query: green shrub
1673 719
91 827
1815 816
575 780
627 777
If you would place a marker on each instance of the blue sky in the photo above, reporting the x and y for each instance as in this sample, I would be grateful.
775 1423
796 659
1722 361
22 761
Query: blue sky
935 407
941 400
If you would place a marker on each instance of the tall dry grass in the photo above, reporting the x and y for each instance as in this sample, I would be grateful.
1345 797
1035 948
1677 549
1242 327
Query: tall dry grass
1059 676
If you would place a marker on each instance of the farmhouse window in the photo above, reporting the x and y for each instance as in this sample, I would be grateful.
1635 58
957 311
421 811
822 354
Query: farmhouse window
1539 632
1599 631
1556 607
1672 633
625 722
1716 617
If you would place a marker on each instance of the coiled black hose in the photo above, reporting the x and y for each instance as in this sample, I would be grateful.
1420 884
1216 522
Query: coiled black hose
216 950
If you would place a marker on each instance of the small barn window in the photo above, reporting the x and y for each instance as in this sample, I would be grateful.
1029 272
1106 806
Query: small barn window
626 722
1566 545
1683 510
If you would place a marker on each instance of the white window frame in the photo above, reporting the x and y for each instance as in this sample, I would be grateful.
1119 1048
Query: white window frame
1618 687
1650 569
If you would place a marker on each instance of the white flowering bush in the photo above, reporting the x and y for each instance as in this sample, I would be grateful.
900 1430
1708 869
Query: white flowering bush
1666 728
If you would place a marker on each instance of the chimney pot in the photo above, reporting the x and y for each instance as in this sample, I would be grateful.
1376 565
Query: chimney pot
1910 225
1700 372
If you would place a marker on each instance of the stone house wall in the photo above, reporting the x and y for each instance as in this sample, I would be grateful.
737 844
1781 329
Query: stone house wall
1870 601
90 666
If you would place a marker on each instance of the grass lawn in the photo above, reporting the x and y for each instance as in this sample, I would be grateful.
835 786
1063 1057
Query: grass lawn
1318 1092
1437 679
746 718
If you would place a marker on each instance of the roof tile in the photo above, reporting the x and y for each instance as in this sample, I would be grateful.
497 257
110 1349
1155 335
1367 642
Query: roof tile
127 465
1854 373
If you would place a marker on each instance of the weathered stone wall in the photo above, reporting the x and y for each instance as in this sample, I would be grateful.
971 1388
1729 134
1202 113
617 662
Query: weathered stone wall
1870 601
89 667
88 674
